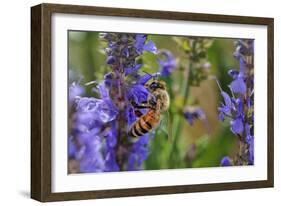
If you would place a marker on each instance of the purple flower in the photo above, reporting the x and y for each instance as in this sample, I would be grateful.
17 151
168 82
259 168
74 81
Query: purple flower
75 91
225 108
138 93
110 60
141 46
225 161
109 80
167 63
145 78
150 47
131 70
237 126
194 113
100 110
139 43
238 86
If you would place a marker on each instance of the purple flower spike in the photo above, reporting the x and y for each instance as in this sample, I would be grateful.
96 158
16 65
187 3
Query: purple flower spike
99 139
123 50
239 109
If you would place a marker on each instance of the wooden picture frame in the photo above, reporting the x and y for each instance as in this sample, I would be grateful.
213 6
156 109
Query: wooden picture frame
41 97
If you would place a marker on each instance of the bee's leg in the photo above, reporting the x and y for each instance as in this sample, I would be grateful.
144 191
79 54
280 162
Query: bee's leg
138 113
138 107
142 105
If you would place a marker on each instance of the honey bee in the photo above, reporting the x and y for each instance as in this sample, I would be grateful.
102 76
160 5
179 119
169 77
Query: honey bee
157 103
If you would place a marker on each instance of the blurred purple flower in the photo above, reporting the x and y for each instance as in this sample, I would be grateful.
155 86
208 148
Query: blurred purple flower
92 160
225 161
167 62
88 127
141 46
194 113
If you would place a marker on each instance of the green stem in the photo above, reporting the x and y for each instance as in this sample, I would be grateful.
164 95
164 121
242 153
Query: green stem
178 121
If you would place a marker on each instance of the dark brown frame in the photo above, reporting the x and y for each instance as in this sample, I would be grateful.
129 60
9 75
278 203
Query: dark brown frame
41 101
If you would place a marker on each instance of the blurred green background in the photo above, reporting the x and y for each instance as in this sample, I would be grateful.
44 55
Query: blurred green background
201 145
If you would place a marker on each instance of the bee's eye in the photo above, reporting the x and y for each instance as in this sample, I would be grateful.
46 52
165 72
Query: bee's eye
153 85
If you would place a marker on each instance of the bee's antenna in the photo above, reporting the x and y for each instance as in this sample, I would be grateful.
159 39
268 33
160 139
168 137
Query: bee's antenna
148 73
153 76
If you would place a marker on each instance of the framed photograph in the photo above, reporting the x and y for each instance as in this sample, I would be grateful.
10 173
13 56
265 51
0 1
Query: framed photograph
132 102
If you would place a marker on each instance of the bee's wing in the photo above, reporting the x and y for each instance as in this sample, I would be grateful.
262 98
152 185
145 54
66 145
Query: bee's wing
166 127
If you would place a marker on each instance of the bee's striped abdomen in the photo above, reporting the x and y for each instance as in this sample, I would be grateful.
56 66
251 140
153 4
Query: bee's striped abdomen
145 124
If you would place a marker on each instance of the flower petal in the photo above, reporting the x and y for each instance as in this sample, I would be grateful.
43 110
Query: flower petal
238 86
131 70
167 63
150 47
227 99
237 126
110 60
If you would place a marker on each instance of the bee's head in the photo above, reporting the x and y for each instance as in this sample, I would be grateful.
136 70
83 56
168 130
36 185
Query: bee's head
156 84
